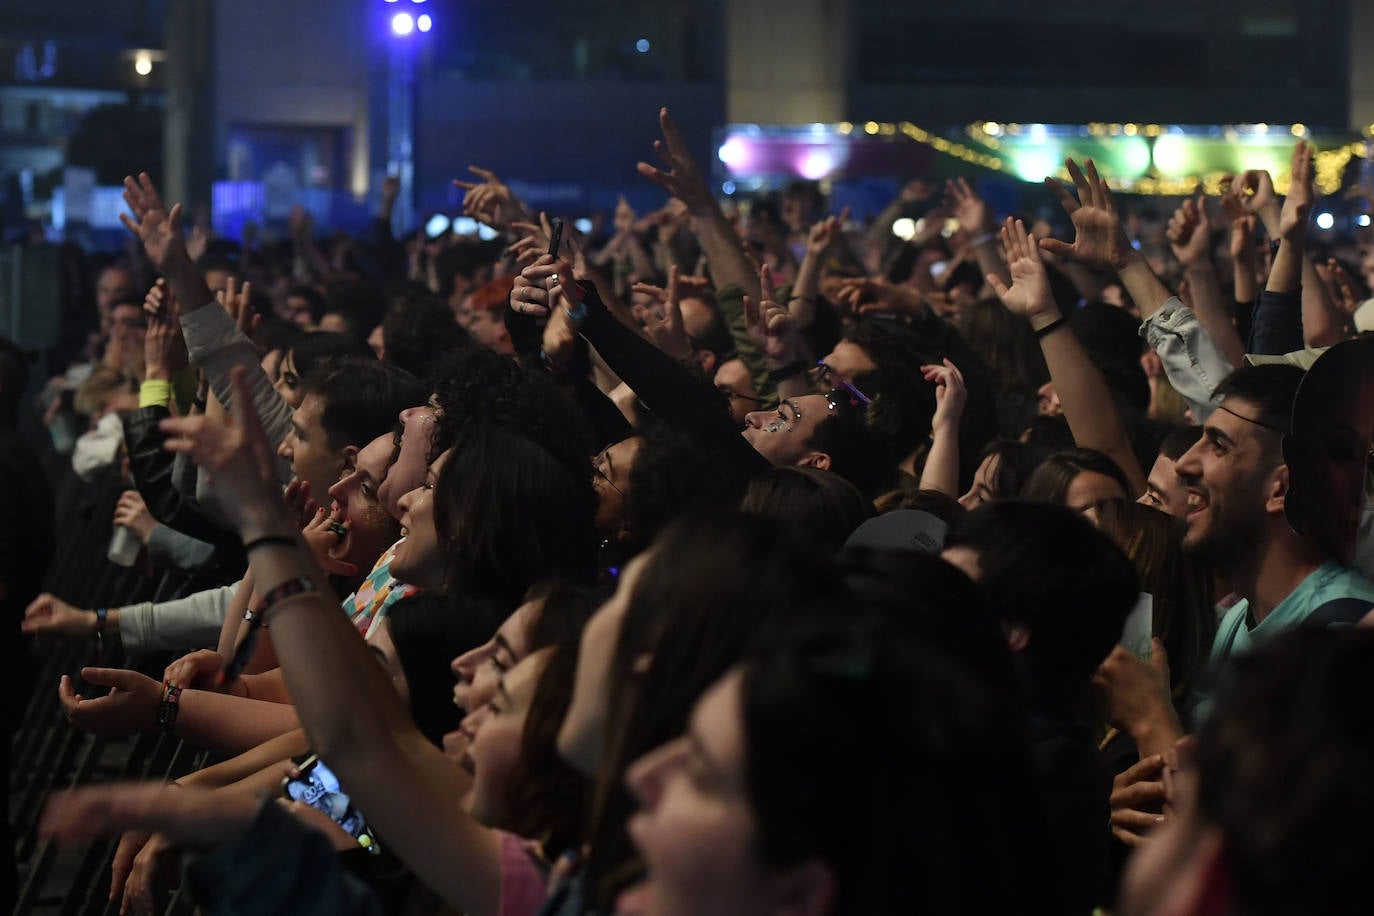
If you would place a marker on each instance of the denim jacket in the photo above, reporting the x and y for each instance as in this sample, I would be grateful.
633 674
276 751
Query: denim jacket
1193 362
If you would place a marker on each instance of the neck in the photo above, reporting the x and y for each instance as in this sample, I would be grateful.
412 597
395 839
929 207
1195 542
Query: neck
1271 572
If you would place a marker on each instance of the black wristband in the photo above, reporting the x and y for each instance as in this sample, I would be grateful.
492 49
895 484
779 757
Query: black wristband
282 540
1050 328
796 367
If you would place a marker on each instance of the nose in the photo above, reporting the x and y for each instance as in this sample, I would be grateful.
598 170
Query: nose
755 418
646 776
284 450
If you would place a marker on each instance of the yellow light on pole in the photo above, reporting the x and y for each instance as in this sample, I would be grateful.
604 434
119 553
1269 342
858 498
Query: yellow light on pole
143 63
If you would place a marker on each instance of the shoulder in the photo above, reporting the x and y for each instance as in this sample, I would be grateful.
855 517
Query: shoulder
524 876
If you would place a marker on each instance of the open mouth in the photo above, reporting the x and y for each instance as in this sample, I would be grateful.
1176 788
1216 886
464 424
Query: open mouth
1197 503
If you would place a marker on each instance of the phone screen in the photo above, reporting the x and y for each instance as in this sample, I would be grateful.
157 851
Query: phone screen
318 787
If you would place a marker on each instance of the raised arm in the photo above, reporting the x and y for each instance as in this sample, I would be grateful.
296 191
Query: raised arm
976 218
725 253
822 237
1088 404
351 712
1100 241
941 471
1190 235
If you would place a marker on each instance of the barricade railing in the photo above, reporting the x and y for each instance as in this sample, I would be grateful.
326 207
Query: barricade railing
47 753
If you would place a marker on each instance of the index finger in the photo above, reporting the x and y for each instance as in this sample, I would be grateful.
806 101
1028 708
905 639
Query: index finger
484 174
1066 200
670 133
766 284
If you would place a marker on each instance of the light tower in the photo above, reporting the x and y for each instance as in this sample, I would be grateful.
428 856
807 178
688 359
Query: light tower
407 21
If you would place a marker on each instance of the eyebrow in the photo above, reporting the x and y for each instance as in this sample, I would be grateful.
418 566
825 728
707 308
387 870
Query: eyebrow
298 429
1216 435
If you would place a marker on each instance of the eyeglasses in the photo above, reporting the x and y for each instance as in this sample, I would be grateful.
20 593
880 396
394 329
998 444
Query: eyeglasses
826 376
597 463
734 395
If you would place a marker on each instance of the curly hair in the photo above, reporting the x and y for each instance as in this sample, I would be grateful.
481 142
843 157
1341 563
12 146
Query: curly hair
419 333
480 384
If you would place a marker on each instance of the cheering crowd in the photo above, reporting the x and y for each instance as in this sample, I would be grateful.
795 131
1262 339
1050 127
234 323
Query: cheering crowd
736 558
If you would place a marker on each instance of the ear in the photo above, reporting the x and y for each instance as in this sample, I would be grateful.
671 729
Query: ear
818 460
808 889
348 457
1276 492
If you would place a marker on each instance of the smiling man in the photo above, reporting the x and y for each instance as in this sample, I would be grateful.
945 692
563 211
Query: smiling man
1237 482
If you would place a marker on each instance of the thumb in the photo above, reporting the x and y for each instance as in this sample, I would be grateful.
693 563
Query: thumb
1056 247
1159 659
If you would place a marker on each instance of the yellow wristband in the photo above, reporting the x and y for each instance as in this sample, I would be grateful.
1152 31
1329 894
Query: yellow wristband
155 393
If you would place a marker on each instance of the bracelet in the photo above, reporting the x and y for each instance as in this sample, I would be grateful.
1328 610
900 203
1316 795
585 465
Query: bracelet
796 367
281 540
170 706
1050 328
288 589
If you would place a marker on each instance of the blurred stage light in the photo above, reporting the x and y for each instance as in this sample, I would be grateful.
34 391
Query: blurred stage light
816 164
734 153
904 228
728 187
1325 221
583 225
403 23
143 63
438 223
642 46
1362 220
423 22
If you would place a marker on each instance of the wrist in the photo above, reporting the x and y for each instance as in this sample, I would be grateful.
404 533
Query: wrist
1045 317
1201 264
1155 731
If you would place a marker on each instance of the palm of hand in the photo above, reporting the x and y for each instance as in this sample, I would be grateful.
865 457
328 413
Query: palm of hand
1029 287
158 234
972 214
1096 237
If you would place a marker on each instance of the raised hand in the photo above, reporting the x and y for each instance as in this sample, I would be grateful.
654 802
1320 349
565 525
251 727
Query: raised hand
1099 239
950 394
872 296
972 212
489 200
158 230
669 333
825 233
129 708
238 302
1029 294
236 454
1342 285
682 179
530 294
1253 190
164 346
1190 233
1297 206
1136 690
770 325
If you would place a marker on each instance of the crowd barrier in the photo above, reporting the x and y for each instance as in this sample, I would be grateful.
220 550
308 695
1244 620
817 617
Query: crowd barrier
48 754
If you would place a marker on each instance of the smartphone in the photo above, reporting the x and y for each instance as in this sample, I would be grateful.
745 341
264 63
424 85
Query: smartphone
319 788
556 238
